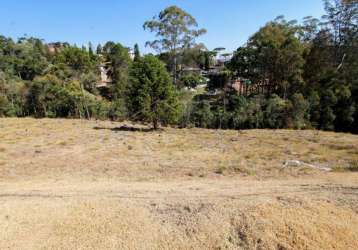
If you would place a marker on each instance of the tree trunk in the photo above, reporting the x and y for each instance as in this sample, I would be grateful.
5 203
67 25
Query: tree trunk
155 124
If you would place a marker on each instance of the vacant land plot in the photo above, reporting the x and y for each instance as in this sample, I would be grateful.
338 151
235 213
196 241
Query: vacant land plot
72 184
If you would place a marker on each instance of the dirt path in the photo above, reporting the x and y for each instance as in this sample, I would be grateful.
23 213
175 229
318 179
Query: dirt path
232 213
332 185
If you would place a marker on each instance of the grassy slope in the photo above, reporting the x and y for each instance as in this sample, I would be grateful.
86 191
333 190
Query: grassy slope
71 184
99 150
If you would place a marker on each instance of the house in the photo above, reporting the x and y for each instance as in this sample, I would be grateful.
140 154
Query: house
54 48
246 87
105 78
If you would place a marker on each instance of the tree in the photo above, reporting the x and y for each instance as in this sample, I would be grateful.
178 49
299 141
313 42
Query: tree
274 53
275 112
314 108
240 116
331 68
194 56
119 62
29 58
90 50
202 115
176 30
328 100
255 115
151 95
77 59
136 52
191 81
99 49
299 107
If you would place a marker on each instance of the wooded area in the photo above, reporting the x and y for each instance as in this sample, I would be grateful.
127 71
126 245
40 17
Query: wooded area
296 75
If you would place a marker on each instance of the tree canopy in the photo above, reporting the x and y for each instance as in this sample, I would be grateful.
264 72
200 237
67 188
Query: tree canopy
175 30
152 96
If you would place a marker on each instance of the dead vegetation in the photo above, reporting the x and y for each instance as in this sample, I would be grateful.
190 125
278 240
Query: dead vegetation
278 224
73 148
66 184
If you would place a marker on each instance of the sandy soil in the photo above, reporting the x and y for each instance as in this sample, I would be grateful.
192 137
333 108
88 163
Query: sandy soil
70 184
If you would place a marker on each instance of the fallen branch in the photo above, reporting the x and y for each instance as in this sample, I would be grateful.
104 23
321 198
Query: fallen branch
297 163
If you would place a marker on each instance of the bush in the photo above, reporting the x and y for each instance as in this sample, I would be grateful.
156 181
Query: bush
4 105
99 109
202 116
240 115
118 110
191 81
299 108
275 112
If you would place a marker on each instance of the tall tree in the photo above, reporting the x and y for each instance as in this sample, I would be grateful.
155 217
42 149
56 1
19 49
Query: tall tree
119 61
175 30
274 53
90 50
99 49
136 52
151 95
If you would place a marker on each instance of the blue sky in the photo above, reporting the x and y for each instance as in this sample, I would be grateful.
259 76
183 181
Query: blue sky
229 22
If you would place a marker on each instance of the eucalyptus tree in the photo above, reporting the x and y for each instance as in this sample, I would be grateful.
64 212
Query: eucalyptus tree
175 30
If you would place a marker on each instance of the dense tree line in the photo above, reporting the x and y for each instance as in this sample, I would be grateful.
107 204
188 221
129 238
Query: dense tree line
311 69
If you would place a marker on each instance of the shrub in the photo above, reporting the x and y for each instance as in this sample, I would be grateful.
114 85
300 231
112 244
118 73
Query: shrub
191 81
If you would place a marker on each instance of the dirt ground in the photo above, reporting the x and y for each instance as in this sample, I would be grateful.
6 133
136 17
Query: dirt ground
72 184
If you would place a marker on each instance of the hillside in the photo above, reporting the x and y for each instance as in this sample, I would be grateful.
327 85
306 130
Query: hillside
76 184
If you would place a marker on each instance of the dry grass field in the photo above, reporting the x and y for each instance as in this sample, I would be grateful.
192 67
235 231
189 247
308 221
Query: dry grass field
72 184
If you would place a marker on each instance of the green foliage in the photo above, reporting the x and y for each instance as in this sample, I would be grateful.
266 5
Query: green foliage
191 81
240 114
75 58
151 95
136 52
255 114
99 109
314 108
275 112
308 73
328 100
298 111
4 106
118 109
202 116
176 30
273 53
219 80
47 98
119 60
195 56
